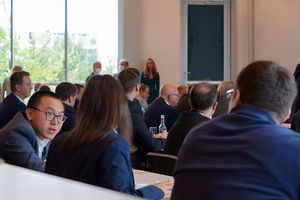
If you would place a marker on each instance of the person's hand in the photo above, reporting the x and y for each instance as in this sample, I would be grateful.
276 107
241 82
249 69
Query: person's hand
162 135
166 187
158 135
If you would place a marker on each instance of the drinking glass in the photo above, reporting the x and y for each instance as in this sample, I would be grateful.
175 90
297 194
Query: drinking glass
153 130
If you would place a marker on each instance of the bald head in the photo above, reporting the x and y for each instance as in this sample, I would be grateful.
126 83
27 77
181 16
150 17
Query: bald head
169 92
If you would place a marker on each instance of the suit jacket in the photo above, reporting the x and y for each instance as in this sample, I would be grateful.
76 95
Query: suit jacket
9 108
295 123
242 155
104 163
184 103
180 129
70 113
157 108
143 139
91 74
19 145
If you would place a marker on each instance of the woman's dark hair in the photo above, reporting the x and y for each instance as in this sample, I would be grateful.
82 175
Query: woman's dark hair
103 107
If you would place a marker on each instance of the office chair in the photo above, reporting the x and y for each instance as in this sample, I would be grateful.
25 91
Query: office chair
161 163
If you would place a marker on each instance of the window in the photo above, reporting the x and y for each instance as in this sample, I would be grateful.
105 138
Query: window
92 36
4 38
40 41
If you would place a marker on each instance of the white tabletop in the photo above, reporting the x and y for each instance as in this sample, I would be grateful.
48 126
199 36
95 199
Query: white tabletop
143 178
18 183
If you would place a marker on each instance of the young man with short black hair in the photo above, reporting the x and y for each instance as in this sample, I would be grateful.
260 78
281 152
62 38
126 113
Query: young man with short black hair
24 141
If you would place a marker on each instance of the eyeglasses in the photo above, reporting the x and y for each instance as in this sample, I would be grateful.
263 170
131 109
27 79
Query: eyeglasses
50 116
229 94
175 95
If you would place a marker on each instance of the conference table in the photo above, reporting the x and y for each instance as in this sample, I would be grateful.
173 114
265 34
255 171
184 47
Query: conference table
143 178
19 183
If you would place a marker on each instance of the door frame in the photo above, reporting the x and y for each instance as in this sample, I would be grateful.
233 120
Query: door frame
184 38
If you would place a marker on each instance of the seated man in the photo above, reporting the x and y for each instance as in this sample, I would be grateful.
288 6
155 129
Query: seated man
183 102
164 105
203 98
80 90
67 92
245 154
143 139
143 96
223 100
21 87
24 141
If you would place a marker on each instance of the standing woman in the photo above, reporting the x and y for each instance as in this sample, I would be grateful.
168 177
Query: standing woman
150 77
97 151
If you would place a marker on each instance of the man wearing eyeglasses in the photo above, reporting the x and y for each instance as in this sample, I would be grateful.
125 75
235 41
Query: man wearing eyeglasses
165 104
24 141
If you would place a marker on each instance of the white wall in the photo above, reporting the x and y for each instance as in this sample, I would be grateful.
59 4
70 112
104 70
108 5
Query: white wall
277 31
261 29
241 35
161 37
132 31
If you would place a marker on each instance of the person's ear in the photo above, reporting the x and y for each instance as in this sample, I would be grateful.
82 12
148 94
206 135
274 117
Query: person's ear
18 87
169 98
235 100
72 99
287 115
29 114
214 107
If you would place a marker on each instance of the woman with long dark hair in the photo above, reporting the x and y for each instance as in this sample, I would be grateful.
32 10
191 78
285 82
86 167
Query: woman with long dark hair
97 151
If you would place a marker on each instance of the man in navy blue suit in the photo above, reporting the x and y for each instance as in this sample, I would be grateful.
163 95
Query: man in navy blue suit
21 87
202 98
143 139
245 154
24 141
165 104
67 92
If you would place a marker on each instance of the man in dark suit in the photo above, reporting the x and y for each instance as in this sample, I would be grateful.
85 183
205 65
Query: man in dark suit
203 98
21 87
25 139
143 139
67 92
165 104
223 101
245 154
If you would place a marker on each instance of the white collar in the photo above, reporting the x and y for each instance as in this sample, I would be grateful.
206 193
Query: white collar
18 97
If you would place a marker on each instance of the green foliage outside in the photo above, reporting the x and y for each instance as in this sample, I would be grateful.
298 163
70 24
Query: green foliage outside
43 58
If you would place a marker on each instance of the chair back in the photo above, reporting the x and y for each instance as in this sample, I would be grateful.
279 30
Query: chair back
161 163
